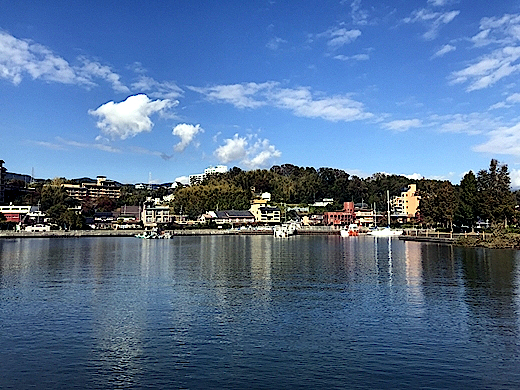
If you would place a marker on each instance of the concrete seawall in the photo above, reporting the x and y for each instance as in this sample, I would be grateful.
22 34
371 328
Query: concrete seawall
131 233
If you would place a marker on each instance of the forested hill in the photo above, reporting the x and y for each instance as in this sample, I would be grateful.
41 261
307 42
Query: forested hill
485 196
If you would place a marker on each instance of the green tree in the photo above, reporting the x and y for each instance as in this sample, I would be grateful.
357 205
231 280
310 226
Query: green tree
496 201
467 205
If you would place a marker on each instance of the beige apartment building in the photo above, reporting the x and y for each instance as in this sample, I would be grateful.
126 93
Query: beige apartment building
102 188
405 206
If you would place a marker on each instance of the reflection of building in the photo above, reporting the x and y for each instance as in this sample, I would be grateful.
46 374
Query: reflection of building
405 206
2 183
343 217
102 188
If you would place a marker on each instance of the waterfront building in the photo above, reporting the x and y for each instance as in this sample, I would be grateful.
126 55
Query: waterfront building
405 206
153 215
17 214
340 218
102 188
234 217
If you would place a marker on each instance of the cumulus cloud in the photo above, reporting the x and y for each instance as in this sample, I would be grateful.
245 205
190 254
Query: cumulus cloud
403 125
300 101
186 133
129 117
250 151
433 20
21 57
444 50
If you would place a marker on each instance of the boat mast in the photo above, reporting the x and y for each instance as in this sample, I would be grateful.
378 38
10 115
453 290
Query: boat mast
388 206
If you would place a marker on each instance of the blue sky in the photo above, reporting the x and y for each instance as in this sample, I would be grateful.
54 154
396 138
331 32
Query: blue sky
165 89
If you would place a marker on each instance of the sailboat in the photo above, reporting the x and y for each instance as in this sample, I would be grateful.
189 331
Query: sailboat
386 231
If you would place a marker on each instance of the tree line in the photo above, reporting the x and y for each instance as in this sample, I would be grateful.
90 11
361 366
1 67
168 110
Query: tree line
485 196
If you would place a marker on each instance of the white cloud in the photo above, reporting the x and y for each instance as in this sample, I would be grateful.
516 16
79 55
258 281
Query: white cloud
504 140
300 101
433 20
336 108
95 69
489 69
438 3
240 95
414 176
22 57
403 125
444 50
186 133
274 43
472 123
156 89
256 155
514 98
129 117
182 179
359 16
356 57
504 31
338 37
514 174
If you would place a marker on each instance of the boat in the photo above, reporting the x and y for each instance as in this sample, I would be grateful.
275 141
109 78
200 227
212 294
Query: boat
351 231
285 230
386 231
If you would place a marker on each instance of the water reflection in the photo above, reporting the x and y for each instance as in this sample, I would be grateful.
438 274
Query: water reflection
201 312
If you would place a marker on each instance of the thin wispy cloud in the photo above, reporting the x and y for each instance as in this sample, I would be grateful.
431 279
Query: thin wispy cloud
432 20
338 37
275 43
403 125
300 101
156 89
489 69
443 51
355 57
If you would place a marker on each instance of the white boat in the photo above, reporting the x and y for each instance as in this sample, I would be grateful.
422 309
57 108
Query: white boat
385 232
351 231
285 230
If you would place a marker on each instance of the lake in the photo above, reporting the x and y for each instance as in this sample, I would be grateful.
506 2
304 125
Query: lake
221 312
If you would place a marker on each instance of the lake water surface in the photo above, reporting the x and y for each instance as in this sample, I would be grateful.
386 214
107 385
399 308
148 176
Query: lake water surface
217 312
